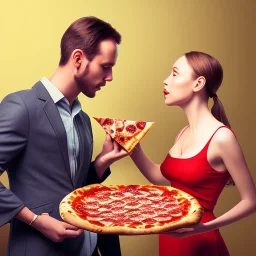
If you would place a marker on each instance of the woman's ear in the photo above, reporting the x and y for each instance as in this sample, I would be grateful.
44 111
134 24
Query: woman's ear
200 83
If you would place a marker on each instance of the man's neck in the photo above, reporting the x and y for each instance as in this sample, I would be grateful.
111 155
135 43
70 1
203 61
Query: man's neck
63 80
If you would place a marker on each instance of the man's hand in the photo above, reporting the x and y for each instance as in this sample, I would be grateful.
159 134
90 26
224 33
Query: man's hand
54 229
111 152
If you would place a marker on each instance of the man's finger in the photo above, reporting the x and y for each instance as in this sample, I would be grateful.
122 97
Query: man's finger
117 147
108 138
73 233
70 227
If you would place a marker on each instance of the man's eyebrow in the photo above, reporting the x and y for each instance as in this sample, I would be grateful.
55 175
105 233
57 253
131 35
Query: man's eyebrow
175 68
108 63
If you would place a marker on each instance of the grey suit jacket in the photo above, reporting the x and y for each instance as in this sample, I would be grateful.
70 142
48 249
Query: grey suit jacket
33 150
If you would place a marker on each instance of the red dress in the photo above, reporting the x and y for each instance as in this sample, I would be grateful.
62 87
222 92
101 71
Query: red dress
195 176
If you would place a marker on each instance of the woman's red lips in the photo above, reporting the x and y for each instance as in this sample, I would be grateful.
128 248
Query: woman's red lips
166 92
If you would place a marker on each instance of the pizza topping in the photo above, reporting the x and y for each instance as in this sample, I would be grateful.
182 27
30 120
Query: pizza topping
92 205
94 218
163 217
117 203
145 201
149 221
125 132
131 128
79 208
175 213
102 209
140 125
119 210
108 122
120 129
132 206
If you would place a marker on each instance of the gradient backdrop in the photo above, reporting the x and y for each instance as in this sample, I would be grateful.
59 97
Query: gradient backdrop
155 33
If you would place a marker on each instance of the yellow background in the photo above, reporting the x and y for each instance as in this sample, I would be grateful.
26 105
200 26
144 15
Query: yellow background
155 33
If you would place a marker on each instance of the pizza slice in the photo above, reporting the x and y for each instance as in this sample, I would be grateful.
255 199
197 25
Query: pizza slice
126 133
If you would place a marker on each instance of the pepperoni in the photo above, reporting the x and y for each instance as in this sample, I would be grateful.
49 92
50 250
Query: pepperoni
149 221
145 201
117 203
132 213
97 223
131 188
149 226
135 223
119 129
161 211
129 199
121 139
176 212
121 222
131 128
92 205
103 197
104 193
106 213
119 210
140 125
80 208
131 204
108 122
117 194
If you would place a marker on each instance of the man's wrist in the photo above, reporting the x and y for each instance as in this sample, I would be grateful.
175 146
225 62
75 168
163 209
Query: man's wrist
100 165
36 223
34 218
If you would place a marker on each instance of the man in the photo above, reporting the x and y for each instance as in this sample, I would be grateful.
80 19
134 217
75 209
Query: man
46 146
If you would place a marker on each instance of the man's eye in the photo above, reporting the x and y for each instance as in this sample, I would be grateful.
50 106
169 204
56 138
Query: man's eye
174 74
105 67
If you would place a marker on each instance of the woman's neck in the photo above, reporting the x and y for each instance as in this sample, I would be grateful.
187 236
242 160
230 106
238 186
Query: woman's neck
198 115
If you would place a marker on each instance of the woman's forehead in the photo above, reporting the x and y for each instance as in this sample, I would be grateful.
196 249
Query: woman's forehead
182 64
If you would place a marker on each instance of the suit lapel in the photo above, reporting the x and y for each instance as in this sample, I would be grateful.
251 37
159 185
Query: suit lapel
85 148
54 118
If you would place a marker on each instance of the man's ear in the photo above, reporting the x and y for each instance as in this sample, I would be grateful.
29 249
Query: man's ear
78 58
199 83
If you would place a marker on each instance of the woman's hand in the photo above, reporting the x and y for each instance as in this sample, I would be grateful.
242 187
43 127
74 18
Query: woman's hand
190 231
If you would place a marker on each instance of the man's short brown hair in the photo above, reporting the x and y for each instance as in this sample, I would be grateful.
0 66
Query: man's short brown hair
86 33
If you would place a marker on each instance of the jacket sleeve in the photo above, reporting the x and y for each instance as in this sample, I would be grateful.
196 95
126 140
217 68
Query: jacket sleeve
14 130
93 177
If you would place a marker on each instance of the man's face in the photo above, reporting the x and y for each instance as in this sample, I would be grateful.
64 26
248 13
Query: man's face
98 71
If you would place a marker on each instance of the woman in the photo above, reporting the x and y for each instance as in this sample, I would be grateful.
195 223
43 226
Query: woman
205 157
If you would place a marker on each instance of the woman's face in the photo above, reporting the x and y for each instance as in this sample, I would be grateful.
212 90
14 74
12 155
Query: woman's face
178 87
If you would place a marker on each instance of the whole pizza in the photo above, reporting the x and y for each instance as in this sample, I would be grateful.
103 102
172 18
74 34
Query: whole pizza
130 209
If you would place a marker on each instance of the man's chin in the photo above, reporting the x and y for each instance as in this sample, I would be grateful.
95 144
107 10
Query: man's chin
89 95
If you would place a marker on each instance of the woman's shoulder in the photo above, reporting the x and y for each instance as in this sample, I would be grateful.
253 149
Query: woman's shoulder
225 136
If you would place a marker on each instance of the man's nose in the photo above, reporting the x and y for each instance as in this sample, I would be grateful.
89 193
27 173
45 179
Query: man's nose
109 76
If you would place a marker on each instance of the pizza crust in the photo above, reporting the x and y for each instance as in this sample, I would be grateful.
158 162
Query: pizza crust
131 143
68 214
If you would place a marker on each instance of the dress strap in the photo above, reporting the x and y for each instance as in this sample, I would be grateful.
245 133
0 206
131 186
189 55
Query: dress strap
216 131
180 133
